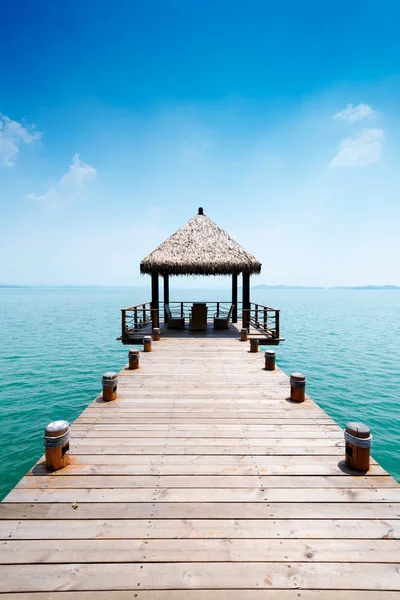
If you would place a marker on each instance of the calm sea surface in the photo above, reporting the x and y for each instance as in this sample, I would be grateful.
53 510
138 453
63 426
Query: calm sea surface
57 342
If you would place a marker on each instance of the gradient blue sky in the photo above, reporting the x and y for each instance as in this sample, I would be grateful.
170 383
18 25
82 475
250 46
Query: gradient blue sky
118 119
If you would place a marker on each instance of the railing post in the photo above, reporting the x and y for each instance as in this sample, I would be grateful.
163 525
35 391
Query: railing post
217 309
277 324
256 315
135 321
181 309
144 314
265 318
123 315
245 318
154 318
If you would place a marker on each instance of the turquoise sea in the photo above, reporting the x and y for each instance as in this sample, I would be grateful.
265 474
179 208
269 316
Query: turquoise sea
57 342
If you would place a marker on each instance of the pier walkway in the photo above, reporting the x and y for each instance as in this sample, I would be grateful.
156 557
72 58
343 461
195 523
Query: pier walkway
202 481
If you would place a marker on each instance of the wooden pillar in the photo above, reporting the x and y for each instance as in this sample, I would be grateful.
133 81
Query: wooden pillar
155 299
246 298
234 298
166 294
123 314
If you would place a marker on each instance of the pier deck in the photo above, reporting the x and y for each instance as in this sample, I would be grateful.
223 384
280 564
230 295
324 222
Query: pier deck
202 481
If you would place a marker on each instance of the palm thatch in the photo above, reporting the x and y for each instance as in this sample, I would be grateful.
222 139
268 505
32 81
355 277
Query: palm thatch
200 248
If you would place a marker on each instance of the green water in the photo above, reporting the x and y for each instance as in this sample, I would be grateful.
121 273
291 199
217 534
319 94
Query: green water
57 342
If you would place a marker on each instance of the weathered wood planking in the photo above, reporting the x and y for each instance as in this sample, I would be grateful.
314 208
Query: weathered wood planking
210 595
202 481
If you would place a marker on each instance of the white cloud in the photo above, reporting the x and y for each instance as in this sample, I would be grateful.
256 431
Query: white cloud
362 149
12 135
71 186
356 113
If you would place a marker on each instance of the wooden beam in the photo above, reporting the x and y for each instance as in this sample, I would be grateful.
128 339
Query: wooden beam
234 298
155 299
245 298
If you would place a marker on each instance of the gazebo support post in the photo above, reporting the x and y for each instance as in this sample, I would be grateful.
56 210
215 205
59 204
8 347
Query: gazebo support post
155 300
166 295
234 297
246 300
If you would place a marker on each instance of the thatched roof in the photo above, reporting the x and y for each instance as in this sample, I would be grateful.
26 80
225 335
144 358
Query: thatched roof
200 248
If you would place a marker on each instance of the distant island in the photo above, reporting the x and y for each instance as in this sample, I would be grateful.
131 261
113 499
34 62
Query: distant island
336 287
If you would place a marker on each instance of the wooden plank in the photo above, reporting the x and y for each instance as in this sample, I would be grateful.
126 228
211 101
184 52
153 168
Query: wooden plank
181 437
214 441
15 552
140 417
222 575
265 461
201 510
214 469
128 449
209 595
207 468
280 529
201 481
208 494
122 439
205 465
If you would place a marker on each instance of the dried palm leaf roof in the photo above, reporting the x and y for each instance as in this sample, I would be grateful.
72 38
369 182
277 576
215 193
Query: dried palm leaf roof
200 248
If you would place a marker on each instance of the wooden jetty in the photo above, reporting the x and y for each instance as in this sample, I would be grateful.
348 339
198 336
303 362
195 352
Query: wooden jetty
202 481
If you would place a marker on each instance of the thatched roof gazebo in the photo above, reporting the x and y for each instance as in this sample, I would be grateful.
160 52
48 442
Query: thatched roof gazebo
200 248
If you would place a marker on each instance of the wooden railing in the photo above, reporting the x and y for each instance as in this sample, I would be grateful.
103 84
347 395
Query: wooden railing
263 318
134 318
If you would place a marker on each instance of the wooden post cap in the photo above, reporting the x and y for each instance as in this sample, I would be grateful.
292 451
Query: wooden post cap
243 330
110 376
358 430
56 428
133 352
298 380
269 353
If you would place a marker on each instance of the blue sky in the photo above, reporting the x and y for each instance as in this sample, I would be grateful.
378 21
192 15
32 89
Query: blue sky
118 119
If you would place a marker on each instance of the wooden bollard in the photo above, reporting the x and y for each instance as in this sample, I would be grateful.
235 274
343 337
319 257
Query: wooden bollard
253 345
110 384
243 335
156 334
56 441
147 344
269 360
297 387
358 446
133 357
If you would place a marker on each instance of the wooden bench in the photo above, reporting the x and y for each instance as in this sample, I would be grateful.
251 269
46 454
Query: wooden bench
224 321
173 322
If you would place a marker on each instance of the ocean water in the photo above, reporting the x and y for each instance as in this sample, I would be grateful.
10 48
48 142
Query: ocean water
57 342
